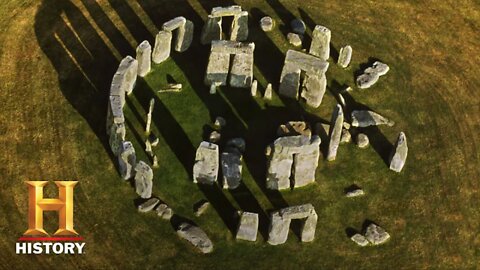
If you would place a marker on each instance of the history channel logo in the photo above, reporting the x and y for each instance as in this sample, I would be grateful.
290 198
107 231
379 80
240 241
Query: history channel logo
36 240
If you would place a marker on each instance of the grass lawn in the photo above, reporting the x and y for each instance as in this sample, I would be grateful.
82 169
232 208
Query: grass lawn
57 59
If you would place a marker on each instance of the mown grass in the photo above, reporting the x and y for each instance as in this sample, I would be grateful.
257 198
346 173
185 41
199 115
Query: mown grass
57 59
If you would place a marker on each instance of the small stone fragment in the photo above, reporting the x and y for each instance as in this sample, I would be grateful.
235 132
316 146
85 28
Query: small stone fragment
346 136
155 162
268 92
148 205
294 128
364 118
248 227
295 39
376 235
171 87
399 154
360 240
298 26
267 24
345 56
362 140
201 207
196 236
164 211
354 193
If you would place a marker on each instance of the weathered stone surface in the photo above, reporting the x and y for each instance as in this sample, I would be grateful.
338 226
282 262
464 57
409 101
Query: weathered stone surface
345 56
362 140
116 110
196 236
205 169
201 207
226 11
399 154
174 23
217 69
354 193
248 227
294 128
267 23
148 205
241 74
253 88
127 160
125 78
315 83
171 87
164 211
359 240
298 26
313 89
321 42
149 115
144 58
346 136
268 92
212 30
364 118
335 132
300 151
371 75
295 39
214 137
280 222
231 161
162 48
232 47
376 235
143 180
220 122
117 136
239 30
184 37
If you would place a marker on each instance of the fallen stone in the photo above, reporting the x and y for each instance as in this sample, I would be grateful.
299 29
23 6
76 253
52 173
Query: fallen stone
346 136
267 24
364 118
345 56
164 211
376 235
149 116
295 39
144 58
143 180
335 133
196 236
360 240
201 207
205 169
362 140
354 193
174 24
148 205
162 48
220 122
399 154
321 42
127 160
171 87
298 26
248 227
371 75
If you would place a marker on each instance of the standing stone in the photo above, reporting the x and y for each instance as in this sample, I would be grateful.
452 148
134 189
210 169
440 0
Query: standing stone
364 118
268 92
248 227
314 88
143 180
144 58
362 140
239 30
253 88
117 136
215 137
298 26
205 169
294 39
321 42
127 160
149 116
196 236
175 23
335 132
399 154
220 122
267 24
162 48
184 36
345 56
280 222
294 128
126 76
231 161
241 73
148 205
212 30
155 162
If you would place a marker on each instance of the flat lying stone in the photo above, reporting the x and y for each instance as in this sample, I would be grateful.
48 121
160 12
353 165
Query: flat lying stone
196 236
148 205
371 75
174 24
164 211
345 56
143 180
354 193
239 30
376 235
231 161
248 227
364 118
399 154
335 133
201 207
360 240
226 11
205 169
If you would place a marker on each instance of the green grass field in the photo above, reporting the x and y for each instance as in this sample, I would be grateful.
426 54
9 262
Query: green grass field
57 58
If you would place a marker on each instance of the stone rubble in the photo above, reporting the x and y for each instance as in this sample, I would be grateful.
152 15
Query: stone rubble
253 88
362 140
335 133
293 128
